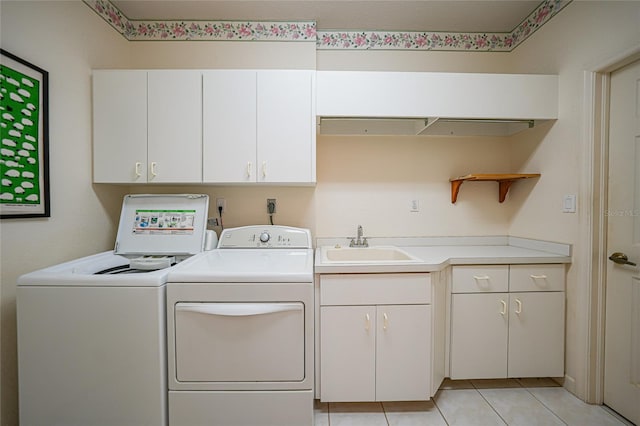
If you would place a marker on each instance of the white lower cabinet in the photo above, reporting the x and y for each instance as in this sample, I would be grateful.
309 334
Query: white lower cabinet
380 351
497 333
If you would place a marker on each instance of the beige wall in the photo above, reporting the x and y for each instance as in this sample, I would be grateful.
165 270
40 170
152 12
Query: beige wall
67 40
579 38
368 181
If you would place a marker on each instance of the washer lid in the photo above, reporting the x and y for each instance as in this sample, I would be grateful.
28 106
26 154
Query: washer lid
171 224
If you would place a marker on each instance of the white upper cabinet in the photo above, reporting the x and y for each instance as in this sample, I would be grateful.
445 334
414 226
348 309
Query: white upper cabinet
259 126
424 103
119 126
229 137
147 126
175 126
212 126
286 126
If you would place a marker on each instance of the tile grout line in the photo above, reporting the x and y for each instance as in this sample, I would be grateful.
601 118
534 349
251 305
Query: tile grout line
492 407
545 406
440 411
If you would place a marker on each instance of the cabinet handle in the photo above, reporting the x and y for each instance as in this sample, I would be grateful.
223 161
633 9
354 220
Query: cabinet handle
538 277
385 321
504 308
264 169
153 169
367 323
248 169
519 308
138 165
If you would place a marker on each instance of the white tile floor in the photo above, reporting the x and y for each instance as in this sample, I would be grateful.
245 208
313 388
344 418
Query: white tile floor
475 402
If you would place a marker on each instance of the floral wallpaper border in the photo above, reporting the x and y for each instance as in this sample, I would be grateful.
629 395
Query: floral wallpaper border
141 30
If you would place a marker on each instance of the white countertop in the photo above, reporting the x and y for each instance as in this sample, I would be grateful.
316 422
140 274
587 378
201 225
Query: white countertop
438 253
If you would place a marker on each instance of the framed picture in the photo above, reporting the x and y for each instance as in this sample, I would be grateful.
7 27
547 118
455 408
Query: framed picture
24 148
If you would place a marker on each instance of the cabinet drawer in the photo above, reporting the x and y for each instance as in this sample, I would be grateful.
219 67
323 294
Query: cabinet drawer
374 289
548 277
480 279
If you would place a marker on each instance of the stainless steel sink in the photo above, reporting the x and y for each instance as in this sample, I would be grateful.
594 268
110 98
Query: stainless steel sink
366 255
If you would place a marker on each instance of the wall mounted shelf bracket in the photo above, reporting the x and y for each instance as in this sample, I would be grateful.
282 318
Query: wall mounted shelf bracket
504 182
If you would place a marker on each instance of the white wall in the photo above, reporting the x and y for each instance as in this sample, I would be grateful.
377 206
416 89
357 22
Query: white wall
67 40
581 36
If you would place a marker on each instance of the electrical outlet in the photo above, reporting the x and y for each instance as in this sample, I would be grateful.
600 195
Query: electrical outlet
271 205
221 202
415 206
212 221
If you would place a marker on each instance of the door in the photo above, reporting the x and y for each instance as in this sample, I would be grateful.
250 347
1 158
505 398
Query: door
536 334
119 126
479 331
239 342
622 338
286 128
229 135
403 348
175 126
347 353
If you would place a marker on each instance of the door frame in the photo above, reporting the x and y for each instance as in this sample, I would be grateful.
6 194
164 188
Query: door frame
593 223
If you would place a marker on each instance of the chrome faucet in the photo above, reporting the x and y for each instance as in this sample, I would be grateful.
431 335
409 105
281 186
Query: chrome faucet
359 241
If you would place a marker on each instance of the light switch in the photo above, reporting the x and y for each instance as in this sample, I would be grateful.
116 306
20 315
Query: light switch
569 203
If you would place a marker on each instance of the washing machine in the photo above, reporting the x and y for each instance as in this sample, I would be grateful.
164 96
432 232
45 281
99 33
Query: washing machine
92 331
240 326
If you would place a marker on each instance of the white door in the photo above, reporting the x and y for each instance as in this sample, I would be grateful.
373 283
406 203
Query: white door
119 126
229 127
622 338
286 128
175 126
536 334
239 342
347 353
403 352
479 332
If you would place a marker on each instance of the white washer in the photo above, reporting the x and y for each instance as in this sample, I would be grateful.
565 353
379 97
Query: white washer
240 331
92 343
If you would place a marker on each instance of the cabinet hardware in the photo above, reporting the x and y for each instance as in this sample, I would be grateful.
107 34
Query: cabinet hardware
504 308
385 322
367 323
138 164
264 169
483 277
153 169
538 277
249 169
519 308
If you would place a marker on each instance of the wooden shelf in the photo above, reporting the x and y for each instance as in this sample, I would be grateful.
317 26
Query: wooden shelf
504 182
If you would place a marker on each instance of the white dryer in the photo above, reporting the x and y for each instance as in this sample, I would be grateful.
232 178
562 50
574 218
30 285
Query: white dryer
92 332
240 331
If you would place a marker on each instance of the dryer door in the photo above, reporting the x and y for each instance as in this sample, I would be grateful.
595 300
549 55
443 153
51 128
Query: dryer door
239 342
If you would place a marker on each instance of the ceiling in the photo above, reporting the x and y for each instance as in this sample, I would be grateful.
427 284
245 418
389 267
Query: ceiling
381 15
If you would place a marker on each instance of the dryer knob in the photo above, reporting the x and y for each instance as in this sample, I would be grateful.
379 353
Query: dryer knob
264 237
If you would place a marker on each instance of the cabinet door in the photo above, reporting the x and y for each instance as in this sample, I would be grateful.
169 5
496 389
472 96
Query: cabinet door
229 127
347 353
479 331
536 334
119 126
403 352
286 130
175 126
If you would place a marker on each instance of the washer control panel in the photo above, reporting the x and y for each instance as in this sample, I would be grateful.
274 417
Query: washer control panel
265 236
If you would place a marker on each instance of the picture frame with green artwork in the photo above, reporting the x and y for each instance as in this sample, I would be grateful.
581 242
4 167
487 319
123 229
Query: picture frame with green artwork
24 144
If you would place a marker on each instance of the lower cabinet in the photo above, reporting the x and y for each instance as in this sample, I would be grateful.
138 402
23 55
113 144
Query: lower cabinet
507 328
377 351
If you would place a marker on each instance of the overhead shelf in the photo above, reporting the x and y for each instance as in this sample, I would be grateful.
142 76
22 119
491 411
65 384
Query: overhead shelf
504 182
